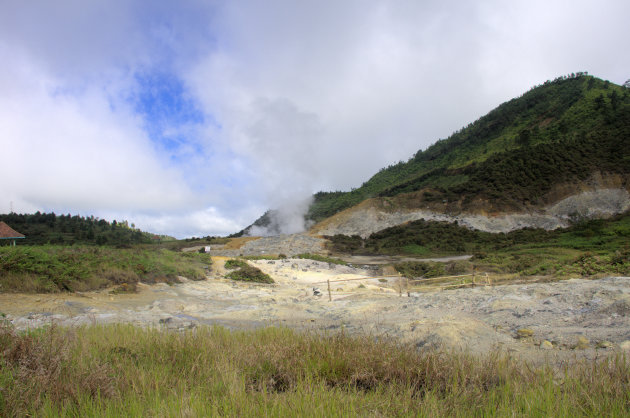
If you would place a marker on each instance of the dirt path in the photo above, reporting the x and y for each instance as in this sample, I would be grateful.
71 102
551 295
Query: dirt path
587 313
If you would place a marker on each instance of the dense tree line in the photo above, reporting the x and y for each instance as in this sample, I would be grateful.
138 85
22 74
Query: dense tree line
435 237
451 238
49 228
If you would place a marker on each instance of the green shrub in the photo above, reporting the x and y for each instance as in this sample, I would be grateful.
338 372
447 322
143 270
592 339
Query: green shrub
234 263
249 273
420 269
317 257
621 257
54 268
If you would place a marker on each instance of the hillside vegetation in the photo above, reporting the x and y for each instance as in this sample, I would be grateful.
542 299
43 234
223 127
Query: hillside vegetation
55 268
558 132
443 238
599 246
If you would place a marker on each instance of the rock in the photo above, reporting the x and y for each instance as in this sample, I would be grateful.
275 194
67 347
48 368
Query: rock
604 344
582 343
365 219
166 320
620 307
317 292
546 345
524 333
625 345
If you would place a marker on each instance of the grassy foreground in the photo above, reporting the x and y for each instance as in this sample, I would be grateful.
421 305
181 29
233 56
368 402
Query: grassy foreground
120 370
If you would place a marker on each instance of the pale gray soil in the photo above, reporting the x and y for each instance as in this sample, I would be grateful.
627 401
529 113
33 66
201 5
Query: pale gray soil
588 204
288 245
479 319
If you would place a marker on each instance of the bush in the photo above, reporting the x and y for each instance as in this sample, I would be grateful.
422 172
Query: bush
52 268
233 263
420 269
621 257
345 244
317 257
249 273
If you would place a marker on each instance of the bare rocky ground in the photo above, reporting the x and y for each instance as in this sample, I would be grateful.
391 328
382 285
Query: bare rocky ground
561 321
364 220
288 245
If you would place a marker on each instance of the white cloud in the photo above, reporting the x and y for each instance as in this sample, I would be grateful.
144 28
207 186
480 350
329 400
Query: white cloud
76 151
199 223
386 79
296 96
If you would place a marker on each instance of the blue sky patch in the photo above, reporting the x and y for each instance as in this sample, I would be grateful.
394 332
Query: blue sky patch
170 113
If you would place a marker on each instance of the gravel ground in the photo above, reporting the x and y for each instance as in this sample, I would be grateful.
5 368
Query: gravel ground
289 245
565 320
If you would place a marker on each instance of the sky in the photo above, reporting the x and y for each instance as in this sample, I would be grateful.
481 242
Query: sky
192 118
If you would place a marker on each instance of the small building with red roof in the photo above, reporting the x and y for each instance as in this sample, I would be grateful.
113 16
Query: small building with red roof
6 232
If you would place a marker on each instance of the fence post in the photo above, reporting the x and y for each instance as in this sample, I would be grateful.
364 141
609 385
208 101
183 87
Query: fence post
329 295
473 276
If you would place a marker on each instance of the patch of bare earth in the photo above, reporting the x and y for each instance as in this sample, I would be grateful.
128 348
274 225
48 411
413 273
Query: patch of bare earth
564 320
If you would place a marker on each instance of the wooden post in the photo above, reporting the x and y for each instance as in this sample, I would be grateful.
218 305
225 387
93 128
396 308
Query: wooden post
399 285
329 294
473 276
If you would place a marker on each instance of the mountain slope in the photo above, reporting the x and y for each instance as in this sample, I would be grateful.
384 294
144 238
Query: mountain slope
560 140
510 159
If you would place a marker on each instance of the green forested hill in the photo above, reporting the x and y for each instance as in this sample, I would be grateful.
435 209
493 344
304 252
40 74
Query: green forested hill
560 131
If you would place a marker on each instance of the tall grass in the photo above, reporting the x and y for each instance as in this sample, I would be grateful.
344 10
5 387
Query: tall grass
120 370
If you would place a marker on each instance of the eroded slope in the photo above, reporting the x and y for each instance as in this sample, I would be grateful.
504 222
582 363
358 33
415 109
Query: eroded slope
600 196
